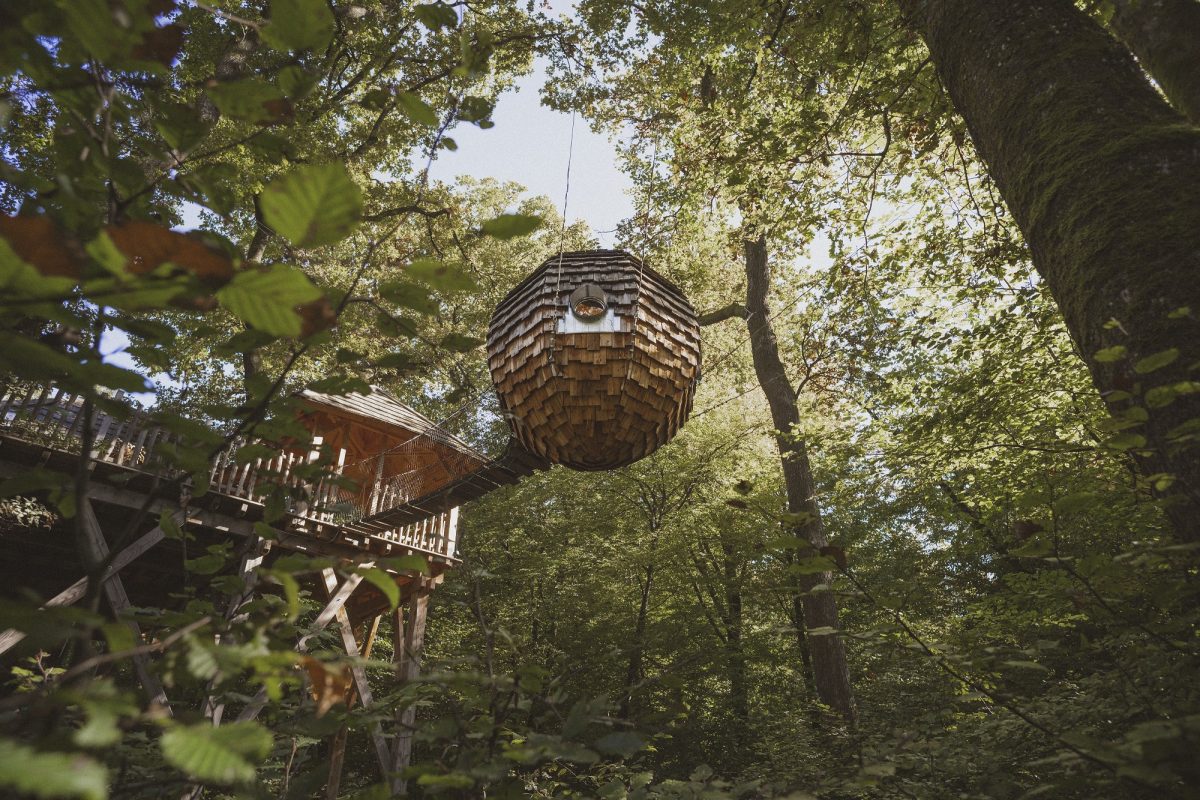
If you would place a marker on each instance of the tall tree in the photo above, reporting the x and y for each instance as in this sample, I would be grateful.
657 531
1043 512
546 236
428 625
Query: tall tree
1100 174
1165 37
831 676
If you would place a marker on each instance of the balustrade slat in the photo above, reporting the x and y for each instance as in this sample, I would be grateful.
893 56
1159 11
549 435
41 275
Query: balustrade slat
76 426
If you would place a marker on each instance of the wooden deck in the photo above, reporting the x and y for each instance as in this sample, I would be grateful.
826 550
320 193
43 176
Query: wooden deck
132 458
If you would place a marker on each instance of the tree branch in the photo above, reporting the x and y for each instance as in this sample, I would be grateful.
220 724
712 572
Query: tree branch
721 314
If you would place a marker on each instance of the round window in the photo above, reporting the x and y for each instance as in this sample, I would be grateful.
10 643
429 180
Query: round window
588 302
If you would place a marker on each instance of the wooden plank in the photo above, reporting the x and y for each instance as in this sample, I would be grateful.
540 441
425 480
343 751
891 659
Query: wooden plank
410 641
249 561
361 685
118 600
75 592
337 601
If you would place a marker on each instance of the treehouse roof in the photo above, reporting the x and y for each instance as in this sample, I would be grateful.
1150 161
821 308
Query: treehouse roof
380 409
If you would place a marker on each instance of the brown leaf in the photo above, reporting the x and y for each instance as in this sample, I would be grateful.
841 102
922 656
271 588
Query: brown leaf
149 246
328 687
160 44
38 241
836 553
281 111
317 316
1024 528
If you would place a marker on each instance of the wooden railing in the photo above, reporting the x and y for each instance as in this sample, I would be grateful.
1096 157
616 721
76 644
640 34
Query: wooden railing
53 418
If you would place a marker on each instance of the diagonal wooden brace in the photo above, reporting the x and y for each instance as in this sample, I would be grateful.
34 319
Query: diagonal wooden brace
382 751
75 592
327 615
118 600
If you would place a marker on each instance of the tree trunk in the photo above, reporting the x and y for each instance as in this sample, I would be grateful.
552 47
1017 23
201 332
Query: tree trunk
797 617
1101 175
633 673
831 676
739 695
1165 37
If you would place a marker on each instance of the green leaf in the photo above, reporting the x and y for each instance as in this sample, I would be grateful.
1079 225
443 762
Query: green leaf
224 755
313 205
620 743
436 16
43 774
401 362
299 25
459 343
1110 354
21 278
811 565
96 27
1160 396
267 298
508 226
101 728
1075 502
445 276
179 125
119 637
1156 361
1126 441
250 100
291 590
453 780
409 295
417 109
209 564
383 582
474 109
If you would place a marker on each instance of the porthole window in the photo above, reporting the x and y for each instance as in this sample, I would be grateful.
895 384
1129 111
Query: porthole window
588 303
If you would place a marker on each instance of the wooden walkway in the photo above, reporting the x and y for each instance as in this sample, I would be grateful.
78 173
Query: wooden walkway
41 425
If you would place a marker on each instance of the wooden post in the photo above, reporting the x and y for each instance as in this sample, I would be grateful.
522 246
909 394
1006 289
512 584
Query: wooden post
253 557
118 600
337 756
410 640
373 502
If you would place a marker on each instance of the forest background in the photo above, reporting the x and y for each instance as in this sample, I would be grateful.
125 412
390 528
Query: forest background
931 530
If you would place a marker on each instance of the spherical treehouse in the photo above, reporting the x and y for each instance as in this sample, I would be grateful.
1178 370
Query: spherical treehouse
595 357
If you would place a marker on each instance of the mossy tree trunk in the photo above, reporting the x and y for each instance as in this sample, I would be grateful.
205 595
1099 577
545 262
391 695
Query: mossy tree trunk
1103 178
831 676
1165 37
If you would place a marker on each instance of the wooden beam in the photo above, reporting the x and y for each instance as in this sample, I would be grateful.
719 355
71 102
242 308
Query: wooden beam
337 756
75 592
361 685
337 601
118 600
249 561
410 640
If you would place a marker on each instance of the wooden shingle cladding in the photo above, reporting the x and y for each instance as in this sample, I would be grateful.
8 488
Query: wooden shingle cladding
602 398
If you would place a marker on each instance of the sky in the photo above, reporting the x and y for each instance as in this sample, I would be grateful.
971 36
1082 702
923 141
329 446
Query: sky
530 146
